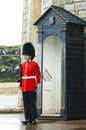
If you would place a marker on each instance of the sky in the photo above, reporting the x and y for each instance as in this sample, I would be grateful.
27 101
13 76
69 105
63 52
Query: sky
11 12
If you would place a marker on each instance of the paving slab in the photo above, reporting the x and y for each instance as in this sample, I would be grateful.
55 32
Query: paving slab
13 122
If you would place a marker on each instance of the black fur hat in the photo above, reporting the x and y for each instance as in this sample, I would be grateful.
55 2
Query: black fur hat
28 49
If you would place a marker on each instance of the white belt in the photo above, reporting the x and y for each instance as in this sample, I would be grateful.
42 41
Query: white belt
28 77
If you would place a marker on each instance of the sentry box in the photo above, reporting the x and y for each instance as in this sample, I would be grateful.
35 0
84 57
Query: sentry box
61 58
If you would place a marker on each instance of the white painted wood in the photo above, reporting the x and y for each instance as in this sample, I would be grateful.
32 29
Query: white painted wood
52 78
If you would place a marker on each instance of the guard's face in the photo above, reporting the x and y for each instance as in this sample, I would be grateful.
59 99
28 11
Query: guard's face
27 58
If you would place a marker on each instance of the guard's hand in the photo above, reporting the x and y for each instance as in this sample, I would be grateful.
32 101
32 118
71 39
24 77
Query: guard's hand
38 87
19 87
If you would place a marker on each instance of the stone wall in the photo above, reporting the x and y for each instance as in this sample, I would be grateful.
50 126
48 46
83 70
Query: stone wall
33 9
31 12
77 7
45 5
26 21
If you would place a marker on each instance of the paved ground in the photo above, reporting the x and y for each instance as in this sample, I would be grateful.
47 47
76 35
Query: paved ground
8 101
13 122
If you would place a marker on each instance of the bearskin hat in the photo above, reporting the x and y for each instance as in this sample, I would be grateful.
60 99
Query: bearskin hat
28 49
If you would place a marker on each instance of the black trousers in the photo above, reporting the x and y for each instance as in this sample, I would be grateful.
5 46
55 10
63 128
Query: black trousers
29 101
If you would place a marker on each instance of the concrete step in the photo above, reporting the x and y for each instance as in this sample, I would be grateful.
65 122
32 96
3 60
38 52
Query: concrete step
11 110
9 103
52 117
9 88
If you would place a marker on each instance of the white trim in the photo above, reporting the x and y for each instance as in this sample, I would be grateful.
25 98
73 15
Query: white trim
28 77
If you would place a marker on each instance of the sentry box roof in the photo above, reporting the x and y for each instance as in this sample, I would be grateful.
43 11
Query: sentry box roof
63 14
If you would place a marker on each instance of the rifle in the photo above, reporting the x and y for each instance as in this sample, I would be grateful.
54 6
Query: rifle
20 75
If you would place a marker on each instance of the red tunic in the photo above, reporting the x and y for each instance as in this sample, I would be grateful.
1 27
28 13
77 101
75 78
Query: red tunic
30 69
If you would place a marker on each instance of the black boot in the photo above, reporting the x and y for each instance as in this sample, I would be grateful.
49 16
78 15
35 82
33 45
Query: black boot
33 122
25 122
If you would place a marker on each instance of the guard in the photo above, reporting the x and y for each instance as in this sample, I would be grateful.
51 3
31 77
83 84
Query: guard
29 82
